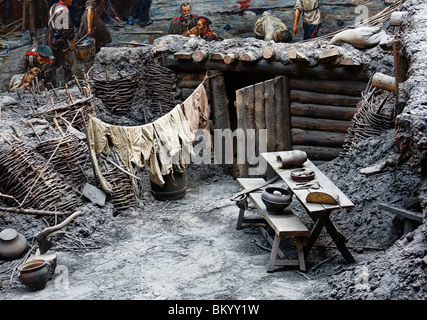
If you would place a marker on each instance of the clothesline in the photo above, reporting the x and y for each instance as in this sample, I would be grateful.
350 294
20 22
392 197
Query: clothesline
162 146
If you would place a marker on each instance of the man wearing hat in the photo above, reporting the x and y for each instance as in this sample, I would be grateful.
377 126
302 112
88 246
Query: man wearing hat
202 30
39 58
60 36
185 21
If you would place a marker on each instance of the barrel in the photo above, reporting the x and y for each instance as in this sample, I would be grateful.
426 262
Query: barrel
85 50
174 187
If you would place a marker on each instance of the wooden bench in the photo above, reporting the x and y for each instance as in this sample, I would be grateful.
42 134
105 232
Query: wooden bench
284 225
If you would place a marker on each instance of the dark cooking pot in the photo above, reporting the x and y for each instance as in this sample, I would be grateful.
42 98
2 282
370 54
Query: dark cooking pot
34 274
276 199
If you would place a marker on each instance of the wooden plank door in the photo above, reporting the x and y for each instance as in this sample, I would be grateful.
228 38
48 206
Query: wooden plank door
264 105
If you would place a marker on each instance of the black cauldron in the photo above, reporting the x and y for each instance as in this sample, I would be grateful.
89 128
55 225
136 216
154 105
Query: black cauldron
276 199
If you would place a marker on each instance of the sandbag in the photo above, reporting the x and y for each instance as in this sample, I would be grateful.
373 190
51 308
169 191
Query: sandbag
361 38
326 197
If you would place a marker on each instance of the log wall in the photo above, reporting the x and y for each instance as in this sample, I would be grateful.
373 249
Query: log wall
309 115
321 115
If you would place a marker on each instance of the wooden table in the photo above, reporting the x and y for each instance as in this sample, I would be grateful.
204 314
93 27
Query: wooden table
319 213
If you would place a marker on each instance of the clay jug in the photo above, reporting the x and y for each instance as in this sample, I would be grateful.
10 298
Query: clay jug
12 244
292 159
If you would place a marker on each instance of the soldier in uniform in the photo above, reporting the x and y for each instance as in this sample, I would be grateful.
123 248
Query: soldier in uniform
39 58
60 36
185 21
92 18
202 30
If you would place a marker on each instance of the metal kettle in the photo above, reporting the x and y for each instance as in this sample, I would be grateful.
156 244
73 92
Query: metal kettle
12 244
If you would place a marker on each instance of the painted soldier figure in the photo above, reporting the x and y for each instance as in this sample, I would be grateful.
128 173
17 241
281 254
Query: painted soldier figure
185 21
202 30
21 82
272 28
312 17
39 58
92 17
60 36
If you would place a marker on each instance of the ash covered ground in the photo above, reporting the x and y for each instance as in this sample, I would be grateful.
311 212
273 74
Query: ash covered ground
189 248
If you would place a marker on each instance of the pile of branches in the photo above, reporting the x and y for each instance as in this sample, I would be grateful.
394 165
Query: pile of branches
76 113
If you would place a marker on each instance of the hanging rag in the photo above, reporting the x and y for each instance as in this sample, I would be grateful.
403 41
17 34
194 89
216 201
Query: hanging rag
134 146
174 141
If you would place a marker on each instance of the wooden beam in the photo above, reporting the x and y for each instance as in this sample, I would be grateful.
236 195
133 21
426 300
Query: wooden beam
241 124
328 55
259 106
322 111
250 56
219 101
270 115
350 88
318 138
230 57
183 55
418 217
279 120
268 53
320 124
199 55
297 57
384 82
321 98
217 56
287 112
